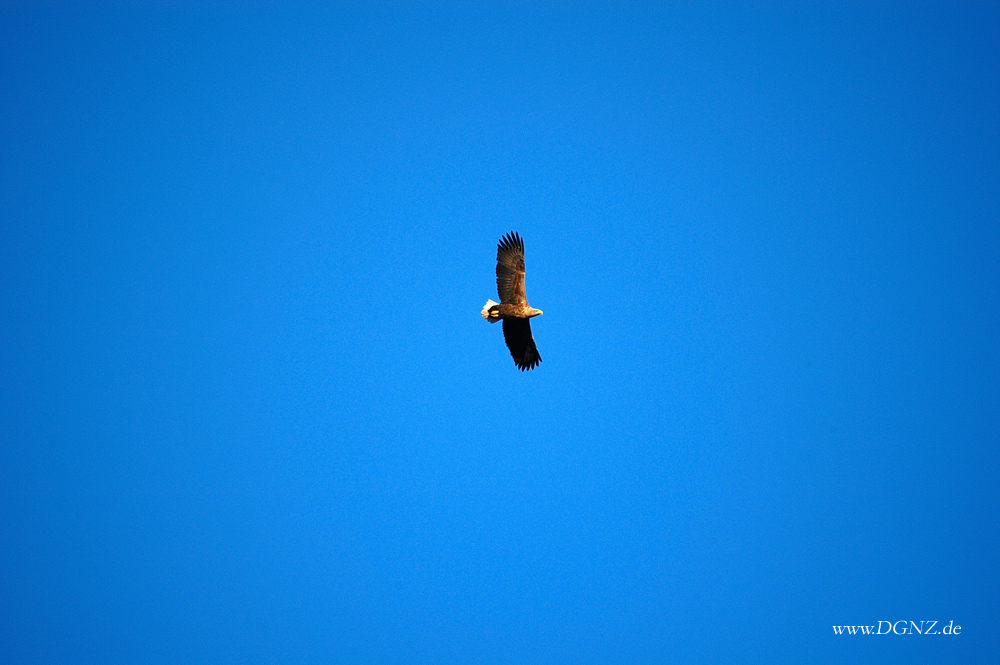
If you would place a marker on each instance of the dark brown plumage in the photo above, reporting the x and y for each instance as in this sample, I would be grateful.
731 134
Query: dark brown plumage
513 308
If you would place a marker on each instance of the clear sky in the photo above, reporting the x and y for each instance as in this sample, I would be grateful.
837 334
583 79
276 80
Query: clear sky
249 411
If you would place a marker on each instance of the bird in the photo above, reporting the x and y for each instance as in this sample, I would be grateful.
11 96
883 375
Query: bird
513 308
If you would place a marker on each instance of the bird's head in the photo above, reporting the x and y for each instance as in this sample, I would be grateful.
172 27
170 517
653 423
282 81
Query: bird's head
533 312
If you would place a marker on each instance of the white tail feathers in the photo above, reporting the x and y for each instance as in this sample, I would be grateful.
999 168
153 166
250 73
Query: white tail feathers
486 311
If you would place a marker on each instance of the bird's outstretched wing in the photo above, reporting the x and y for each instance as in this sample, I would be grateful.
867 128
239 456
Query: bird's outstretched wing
510 270
517 334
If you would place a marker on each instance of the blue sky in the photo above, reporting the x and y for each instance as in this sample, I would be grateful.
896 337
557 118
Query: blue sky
250 412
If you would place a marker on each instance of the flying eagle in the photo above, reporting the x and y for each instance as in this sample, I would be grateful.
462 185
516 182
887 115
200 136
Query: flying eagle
513 307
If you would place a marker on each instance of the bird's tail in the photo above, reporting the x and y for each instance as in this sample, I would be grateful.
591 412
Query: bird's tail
486 311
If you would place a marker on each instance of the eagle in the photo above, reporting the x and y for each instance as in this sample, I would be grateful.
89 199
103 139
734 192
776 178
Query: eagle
513 307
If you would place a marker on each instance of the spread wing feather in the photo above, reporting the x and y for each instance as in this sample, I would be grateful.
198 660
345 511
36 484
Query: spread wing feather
510 270
517 334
